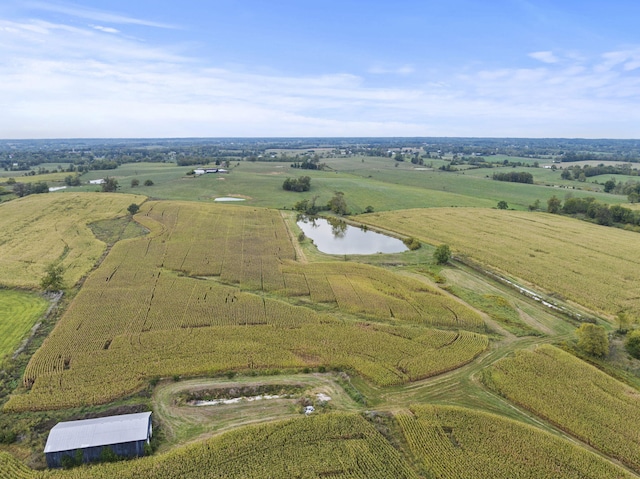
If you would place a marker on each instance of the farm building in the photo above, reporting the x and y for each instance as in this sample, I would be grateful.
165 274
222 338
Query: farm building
203 171
125 435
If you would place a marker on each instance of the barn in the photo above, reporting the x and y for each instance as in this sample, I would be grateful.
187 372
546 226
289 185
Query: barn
126 436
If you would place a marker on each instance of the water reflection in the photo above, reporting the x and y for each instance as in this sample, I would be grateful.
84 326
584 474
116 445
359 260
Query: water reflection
335 236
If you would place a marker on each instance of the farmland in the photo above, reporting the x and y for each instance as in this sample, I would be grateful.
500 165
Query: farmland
41 229
590 265
154 308
575 396
435 370
460 443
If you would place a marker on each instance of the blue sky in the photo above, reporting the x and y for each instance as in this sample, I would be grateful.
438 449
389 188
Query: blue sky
501 68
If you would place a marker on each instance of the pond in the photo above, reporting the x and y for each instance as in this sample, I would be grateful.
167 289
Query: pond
334 236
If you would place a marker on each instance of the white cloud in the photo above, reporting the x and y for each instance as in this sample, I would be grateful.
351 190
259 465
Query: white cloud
68 81
93 14
545 57
105 29
402 70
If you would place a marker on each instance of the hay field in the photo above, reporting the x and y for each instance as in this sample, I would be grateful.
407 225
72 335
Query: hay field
39 229
595 266
182 300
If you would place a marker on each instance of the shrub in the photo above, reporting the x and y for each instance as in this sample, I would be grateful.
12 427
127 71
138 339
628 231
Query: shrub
632 344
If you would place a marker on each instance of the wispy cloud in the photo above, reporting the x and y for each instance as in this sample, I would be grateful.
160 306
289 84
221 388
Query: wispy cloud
64 80
545 57
402 70
95 15
105 29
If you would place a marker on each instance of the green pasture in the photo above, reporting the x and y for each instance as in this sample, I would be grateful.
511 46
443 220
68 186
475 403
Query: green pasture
19 311
379 182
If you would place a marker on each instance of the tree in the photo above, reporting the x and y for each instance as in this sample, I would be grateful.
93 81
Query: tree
553 204
624 322
632 343
110 185
566 175
148 183
442 254
502 205
135 182
535 206
53 280
609 185
338 204
593 339
303 183
133 209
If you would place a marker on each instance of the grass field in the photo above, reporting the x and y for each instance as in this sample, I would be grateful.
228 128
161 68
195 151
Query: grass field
594 266
366 181
19 311
41 229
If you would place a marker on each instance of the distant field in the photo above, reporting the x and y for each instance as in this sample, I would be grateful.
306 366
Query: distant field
460 443
595 266
18 313
575 396
39 229
366 181
138 316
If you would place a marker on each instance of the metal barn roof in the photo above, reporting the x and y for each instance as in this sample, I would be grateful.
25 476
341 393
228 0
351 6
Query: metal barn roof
66 436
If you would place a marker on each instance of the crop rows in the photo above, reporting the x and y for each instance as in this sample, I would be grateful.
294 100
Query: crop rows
575 396
340 446
137 318
12 468
456 443
591 265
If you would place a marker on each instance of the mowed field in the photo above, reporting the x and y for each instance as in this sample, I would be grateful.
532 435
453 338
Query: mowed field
594 266
41 229
19 311
183 301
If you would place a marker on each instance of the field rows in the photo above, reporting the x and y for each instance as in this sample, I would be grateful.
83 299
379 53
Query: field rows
138 316
456 443
575 396
595 266
333 445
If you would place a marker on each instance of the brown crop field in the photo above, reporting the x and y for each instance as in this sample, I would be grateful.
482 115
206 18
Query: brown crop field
595 266
139 316
39 229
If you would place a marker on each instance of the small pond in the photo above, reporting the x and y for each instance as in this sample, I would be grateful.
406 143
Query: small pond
334 236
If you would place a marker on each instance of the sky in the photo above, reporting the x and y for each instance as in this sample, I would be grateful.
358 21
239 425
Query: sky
302 68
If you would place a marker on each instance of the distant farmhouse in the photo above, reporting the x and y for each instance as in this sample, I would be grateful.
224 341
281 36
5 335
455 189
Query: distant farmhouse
125 435
203 171
97 182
